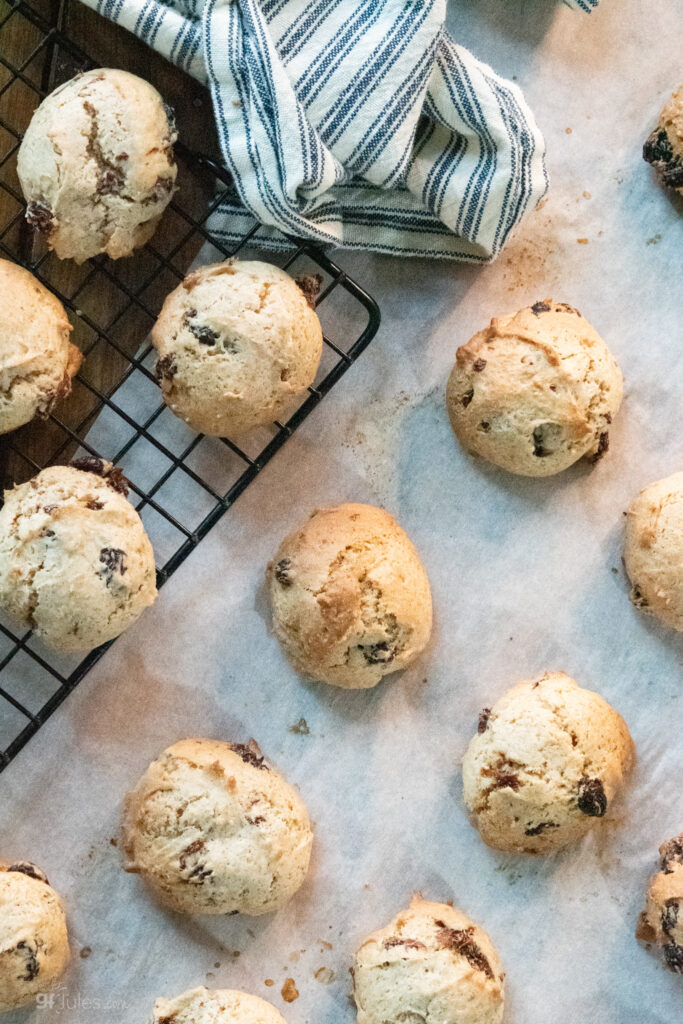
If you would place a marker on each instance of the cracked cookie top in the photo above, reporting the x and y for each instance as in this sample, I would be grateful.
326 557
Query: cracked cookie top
350 598
429 963
238 345
535 391
215 830
96 164
75 562
37 360
34 946
547 761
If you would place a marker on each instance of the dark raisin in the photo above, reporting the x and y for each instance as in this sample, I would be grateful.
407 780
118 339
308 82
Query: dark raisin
603 445
40 217
250 754
200 871
258 820
166 368
159 190
540 307
592 800
636 597
478 365
502 779
31 964
669 915
114 560
460 941
110 473
110 182
672 174
483 722
377 654
658 148
204 334
467 398
538 829
673 955
282 572
671 853
485 426
90 464
94 504
26 868
310 285
171 121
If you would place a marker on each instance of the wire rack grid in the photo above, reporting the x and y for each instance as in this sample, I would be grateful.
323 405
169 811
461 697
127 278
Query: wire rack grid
180 482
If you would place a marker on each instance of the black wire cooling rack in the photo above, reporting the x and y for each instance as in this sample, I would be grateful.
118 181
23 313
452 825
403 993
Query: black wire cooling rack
181 482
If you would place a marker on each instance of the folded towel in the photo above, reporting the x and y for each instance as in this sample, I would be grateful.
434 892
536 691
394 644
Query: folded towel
355 122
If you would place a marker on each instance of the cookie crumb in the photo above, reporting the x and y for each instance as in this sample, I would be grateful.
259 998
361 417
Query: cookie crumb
289 991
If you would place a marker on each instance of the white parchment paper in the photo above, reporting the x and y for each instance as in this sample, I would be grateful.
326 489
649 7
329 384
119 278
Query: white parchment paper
523 576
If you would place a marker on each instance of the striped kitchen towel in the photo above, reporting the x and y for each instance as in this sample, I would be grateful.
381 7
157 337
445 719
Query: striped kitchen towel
355 122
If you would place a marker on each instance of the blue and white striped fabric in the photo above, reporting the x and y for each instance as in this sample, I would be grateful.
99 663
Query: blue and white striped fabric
355 122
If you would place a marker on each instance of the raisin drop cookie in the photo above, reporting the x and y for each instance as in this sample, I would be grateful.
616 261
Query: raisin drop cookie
664 147
662 920
238 345
547 761
215 1006
350 598
37 360
431 963
34 946
535 391
96 165
653 551
214 829
76 564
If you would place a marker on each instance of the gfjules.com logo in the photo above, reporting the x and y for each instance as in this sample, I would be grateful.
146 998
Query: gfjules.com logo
59 1000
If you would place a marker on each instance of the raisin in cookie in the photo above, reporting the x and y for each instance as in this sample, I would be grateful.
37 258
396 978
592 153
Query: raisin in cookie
37 360
96 165
350 598
664 147
430 964
662 920
535 391
76 564
214 829
547 761
653 551
34 946
215 1006
238 345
